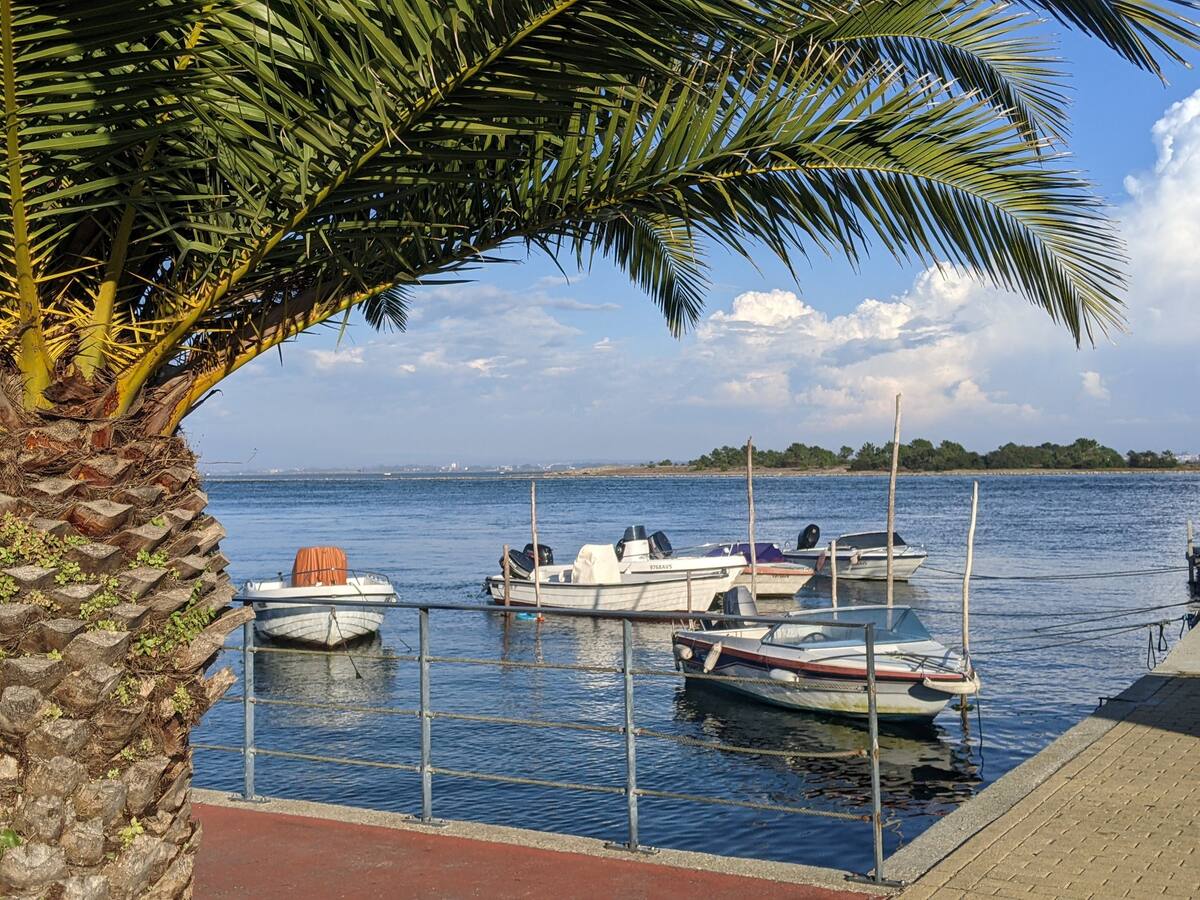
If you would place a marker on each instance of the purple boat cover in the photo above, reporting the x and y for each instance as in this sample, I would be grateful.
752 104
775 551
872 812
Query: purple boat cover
763 551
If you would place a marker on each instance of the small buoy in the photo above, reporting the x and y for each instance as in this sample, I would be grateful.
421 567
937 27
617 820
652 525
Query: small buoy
683 651
710 661
782 675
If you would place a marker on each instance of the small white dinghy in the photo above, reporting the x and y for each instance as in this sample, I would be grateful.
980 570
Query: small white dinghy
810 663
322 602
596 581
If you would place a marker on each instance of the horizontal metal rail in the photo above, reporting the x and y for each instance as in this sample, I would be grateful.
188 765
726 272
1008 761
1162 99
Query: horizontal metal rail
859 752
751 804
301 651
525 664
528 723
533 782
312 757
613 615
337 707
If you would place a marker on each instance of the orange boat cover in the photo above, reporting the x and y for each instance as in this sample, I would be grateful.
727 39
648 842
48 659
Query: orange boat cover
319 565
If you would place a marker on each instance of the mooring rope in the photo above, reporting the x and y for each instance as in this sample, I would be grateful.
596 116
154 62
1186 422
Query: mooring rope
1066 576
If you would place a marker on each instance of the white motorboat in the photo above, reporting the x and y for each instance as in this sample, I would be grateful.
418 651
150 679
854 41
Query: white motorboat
860 556
776 576
597 581
322 603
814 662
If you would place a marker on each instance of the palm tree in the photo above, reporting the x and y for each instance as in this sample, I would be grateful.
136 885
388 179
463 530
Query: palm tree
191 183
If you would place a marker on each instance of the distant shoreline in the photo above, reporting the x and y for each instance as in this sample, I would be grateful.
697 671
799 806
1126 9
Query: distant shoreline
667 472
685 471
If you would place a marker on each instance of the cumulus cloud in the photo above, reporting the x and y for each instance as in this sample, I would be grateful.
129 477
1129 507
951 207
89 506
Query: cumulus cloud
1093 386
338 358
934 343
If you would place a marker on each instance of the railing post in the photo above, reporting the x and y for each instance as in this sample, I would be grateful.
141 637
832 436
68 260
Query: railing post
873 731
630 737
248 711
426 719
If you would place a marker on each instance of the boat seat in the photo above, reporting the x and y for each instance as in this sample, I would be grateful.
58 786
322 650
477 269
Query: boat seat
596 564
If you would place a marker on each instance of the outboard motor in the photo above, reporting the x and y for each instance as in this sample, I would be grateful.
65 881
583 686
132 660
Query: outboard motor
738 601
545 555
520 565
808 538
632 533
660 545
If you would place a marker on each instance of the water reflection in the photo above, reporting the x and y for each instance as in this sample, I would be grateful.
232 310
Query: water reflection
355 676
817 593
922 767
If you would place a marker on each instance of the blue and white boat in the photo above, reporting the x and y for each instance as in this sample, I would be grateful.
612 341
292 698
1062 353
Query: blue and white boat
814 662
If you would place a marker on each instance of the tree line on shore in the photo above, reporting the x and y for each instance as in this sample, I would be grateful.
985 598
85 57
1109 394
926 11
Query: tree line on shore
921 455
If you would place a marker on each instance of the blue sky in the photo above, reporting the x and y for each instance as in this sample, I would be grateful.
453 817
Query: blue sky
521 366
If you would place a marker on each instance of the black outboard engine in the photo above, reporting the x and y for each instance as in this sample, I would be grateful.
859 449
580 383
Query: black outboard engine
632 533
660 545
520 565
808 538
738 601
545 554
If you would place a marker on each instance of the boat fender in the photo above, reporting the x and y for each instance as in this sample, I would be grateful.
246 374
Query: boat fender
710 661
783 675
683 651
958 688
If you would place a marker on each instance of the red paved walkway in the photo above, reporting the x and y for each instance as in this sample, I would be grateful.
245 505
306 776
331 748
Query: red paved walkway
246 853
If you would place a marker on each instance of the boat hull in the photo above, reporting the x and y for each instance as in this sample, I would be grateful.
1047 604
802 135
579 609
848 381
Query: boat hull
868 567
777 580
667 595
896 701
829 679
322 626
321 615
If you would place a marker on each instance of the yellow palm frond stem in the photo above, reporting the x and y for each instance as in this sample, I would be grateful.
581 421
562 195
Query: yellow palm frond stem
268 338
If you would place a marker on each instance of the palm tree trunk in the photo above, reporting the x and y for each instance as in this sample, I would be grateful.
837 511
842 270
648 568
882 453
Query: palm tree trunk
113 603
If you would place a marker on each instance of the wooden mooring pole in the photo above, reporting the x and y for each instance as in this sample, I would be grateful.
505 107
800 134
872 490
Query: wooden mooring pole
507 579
750 505
537 549
1193 586
966 594
833 570
891 506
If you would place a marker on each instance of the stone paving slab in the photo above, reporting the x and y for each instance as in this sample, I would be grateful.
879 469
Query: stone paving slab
1120 818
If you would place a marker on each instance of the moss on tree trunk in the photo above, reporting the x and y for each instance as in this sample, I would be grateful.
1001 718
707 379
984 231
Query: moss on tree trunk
113 603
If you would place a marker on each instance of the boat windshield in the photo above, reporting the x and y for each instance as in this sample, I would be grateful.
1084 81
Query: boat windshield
897 625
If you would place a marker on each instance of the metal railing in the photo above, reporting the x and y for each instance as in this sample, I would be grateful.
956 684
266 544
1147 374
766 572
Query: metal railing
249 750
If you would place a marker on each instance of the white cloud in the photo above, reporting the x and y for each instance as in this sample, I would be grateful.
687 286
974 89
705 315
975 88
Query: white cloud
579 306
934 343
328 360
765 308
604 345
1162 226
1093 386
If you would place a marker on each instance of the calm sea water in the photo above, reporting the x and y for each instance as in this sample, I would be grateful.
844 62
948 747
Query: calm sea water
438 538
